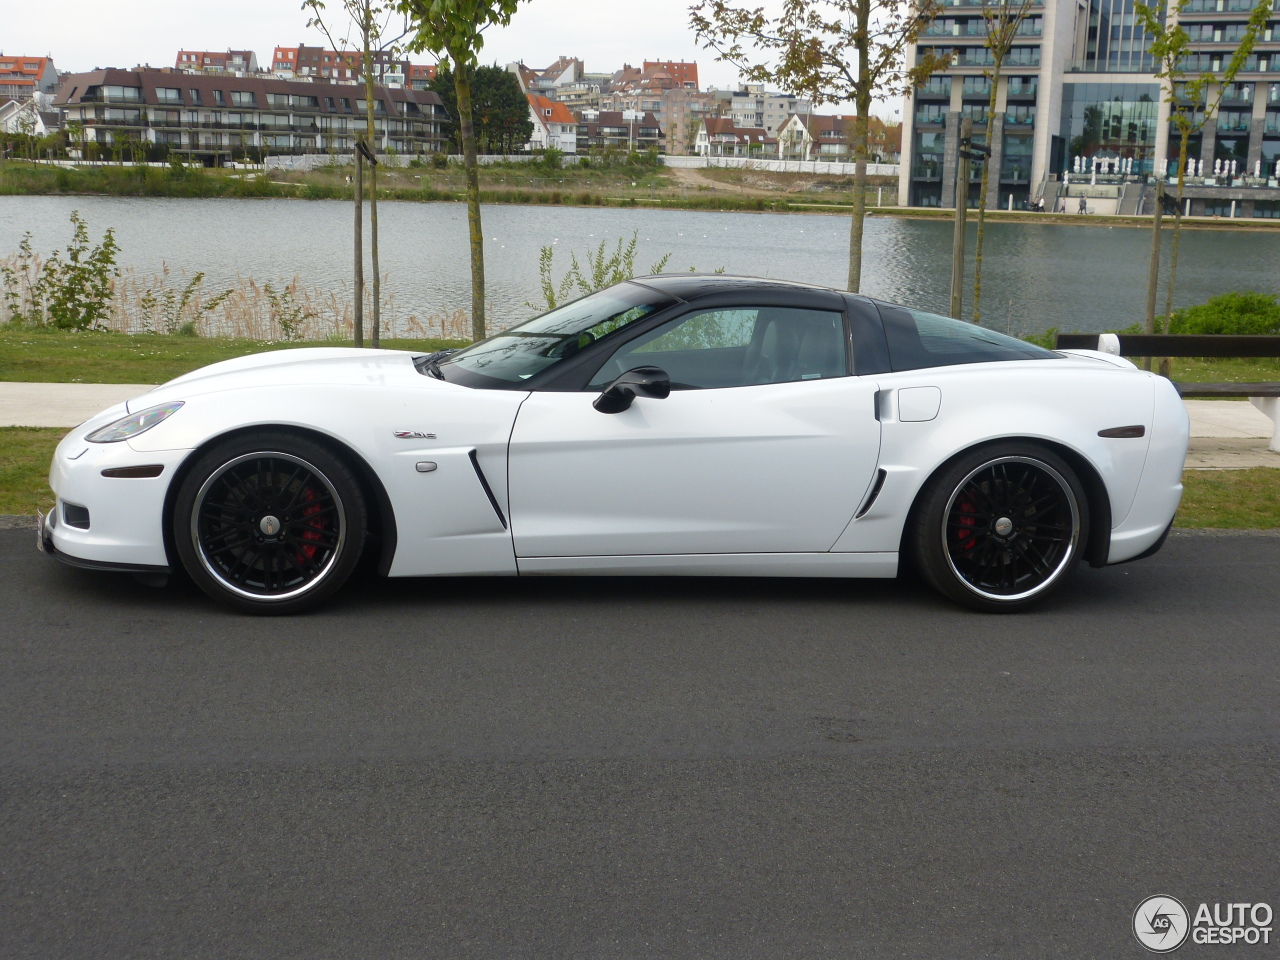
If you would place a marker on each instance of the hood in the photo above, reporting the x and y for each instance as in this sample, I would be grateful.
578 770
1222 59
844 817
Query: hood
306 366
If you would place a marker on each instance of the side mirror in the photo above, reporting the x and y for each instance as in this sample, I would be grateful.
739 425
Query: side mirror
641 382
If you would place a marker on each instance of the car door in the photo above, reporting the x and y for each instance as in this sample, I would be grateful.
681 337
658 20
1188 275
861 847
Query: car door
764 445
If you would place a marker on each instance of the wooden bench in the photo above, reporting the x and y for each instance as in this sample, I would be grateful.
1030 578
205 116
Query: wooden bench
1263 395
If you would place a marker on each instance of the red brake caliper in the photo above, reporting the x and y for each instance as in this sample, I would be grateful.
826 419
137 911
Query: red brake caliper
314 524
967 522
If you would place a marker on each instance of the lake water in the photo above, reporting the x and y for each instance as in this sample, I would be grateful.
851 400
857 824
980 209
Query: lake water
1036 275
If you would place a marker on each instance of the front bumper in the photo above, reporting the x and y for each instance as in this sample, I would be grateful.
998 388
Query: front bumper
125 515
45 524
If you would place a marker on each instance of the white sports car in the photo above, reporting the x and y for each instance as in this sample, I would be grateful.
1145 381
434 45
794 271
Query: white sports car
670 425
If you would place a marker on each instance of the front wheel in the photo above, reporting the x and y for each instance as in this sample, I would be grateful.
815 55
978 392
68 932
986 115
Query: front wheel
1001 527
269 523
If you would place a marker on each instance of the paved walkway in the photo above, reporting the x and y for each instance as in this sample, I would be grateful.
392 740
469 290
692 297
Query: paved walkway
1226 434
60 404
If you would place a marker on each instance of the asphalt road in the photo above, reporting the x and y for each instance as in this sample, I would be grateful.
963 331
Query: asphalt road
645 768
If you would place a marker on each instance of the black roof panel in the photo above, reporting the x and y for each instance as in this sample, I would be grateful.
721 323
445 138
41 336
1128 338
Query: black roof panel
691 286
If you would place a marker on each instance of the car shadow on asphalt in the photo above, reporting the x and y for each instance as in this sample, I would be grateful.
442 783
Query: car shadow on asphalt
366 593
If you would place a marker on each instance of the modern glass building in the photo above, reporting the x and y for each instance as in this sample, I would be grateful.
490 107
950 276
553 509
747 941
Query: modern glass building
1079 112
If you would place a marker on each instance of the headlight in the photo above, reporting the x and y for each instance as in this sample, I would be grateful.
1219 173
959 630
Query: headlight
134 424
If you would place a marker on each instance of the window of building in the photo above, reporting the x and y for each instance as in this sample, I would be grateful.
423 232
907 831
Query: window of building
1015 162
219 98
1021 115
193 95
168 94
1023 86
931 113
1270 209
976 87
243 98
935 87
930 151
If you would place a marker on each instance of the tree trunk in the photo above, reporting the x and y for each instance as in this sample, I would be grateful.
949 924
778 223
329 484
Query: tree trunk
462 87
1153 273
859 196
359 278
862 101
1177 229
372 139
982 194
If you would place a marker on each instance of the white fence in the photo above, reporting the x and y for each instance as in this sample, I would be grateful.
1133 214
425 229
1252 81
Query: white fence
783 166
309 161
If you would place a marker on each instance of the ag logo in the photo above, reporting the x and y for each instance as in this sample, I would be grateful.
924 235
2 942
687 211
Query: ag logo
1161 924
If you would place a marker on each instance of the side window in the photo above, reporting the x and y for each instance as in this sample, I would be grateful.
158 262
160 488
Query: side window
918 339
737 347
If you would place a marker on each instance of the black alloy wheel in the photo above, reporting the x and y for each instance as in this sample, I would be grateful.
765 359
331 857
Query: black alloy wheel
1001 527
271 523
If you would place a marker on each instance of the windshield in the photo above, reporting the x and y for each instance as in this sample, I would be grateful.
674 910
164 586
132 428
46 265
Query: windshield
513 356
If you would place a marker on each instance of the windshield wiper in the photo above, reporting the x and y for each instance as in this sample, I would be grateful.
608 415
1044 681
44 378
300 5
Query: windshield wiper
430 364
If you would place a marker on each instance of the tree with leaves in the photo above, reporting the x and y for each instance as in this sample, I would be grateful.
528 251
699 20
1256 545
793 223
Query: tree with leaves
454 31
1192 102
830 51
374 23
1003 19
499 108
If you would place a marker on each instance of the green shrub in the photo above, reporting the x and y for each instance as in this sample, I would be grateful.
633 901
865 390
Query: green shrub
1243 312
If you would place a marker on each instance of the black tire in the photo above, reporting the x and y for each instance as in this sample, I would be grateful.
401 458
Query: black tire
269 522
1000 527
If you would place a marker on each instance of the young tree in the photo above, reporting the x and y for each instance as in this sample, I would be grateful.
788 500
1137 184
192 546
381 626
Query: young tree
830 51
454 31
1003 18
374 23
1191 103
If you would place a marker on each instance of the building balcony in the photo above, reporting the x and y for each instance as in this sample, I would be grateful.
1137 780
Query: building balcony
104 98
1217 6
1100 66
96 122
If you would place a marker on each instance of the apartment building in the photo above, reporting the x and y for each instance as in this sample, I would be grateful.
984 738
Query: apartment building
21 78
225 61
624 130
212 118
751 105
1079 111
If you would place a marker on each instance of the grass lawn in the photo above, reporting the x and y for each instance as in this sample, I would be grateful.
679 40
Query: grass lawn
25 453
1224 370
1237 499
55 356
1231 499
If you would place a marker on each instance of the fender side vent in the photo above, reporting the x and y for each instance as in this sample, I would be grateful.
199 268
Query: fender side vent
134 473
488 490
871 497
1124 433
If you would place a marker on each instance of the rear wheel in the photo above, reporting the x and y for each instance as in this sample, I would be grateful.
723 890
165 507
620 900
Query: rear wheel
269 523
1001 527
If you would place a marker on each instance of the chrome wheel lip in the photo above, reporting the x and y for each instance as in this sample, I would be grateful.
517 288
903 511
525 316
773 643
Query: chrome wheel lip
217 575
1067 556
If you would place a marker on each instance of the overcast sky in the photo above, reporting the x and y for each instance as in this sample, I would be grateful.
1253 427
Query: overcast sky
84 34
